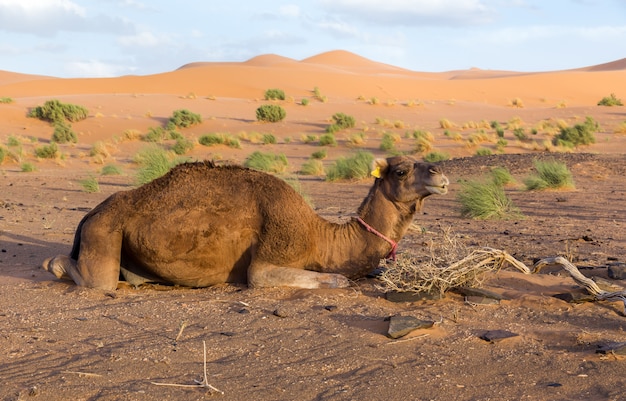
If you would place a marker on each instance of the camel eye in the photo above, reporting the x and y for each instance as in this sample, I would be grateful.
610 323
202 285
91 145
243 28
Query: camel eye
432 171
400 173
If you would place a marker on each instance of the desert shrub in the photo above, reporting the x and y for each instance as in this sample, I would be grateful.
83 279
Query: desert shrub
483 152
357 138
388 142
579 134
332 128
47 151
550 174
3 154
155 134
219 139
131 134
6 100
153 163
175 135
355 167
270 113
268 162
501 176
517 102
446 124
610 101
13 141
343 120
183 118
274 94
320 154
269 139
309 138
434 157
63 133
328 140
90 185
28 167
55 111
312 167
485 200
500 132
422 145
304 102
182 146
111 169
520 133
100 150
620 129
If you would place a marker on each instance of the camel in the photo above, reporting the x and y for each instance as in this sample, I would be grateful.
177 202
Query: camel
200 225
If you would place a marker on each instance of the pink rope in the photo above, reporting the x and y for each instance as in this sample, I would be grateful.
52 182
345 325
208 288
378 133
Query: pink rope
394 245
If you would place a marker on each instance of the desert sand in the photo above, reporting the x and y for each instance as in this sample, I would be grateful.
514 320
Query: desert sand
63 342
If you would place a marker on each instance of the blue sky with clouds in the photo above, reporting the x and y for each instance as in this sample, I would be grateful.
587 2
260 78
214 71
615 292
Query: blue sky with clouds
101 38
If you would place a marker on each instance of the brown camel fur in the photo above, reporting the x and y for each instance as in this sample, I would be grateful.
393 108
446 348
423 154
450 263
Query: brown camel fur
201 225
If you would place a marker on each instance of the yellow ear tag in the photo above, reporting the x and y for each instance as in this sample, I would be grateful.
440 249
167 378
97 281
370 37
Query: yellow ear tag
376 172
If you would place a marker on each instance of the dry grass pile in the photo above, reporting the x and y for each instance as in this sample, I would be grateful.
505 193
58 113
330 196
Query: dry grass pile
449 264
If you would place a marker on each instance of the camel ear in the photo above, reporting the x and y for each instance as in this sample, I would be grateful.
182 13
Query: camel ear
379 166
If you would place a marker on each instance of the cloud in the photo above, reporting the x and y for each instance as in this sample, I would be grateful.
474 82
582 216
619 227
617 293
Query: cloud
97 68
49 17
413 12
144 39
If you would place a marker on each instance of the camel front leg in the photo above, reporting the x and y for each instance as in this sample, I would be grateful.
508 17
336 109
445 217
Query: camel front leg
261 274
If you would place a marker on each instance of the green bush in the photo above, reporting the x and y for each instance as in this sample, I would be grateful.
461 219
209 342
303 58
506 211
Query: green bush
155 134
90 185
269 139
182 146
320 154
579 134
485 200
28 167
270 113
610 101
274 94
312 167
219 139
550 174
355 167
153 163
434 157
55 111
182 119
111 169
268 162
343 120
6 100
328 140
63 133
483 152
332 128
304 101
520 133
501 176
388 142
3 154
47 151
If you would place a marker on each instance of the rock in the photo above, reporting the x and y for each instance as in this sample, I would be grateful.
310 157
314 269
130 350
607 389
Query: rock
400 326
493 336
617 270
411 296
280 312
478 292
330 308
575 297
612 348
478 300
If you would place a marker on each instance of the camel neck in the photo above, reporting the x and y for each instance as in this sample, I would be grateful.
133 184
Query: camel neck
394 245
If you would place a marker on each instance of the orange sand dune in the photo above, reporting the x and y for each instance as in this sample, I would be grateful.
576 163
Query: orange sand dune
338 74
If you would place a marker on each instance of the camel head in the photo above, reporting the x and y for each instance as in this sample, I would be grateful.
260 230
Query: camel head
405 179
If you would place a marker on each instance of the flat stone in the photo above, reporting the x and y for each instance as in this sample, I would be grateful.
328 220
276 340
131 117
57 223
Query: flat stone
493 336
575 297
479 300
411 296
400 326
612 348
477 292
617 270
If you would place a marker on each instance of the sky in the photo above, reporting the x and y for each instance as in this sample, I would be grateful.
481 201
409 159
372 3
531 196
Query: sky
107 38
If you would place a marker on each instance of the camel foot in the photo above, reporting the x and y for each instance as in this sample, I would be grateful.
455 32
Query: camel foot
58 265
331 280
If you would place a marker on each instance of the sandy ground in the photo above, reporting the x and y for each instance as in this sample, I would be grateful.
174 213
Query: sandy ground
62 342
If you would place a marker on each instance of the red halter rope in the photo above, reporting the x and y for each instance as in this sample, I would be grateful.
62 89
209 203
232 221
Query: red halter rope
394 245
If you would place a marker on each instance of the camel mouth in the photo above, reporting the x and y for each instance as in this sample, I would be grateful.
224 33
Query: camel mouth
442 190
